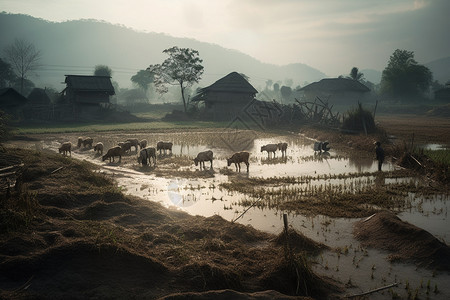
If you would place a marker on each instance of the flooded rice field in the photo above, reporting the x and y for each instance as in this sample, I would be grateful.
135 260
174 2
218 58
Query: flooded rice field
303 184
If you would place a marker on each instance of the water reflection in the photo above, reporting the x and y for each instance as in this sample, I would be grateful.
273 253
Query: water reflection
434 147
205 197
361 164
274 161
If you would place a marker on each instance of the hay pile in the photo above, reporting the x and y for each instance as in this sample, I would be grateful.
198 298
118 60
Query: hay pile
406 242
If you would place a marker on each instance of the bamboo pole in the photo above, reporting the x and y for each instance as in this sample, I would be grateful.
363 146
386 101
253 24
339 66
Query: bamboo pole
373 291
253 204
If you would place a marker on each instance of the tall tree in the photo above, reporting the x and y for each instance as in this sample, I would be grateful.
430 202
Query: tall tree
286 92
356 75
102 70
403 76
143 79
24 58
7 76
276 87
182 67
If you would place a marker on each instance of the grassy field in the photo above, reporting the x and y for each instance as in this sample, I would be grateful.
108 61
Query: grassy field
137 126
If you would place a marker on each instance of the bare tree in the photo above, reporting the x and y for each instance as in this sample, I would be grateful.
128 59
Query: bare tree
182 67
23 57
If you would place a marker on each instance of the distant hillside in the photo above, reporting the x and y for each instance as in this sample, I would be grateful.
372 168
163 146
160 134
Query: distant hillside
75 47
440 69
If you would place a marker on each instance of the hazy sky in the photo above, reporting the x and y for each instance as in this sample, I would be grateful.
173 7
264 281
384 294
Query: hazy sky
330 35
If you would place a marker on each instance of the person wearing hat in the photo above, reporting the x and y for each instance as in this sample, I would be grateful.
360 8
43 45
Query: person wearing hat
380 154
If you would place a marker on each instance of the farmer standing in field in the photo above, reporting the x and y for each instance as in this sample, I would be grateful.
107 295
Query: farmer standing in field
380 154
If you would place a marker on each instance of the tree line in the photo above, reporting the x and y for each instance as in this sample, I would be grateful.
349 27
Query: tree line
402 78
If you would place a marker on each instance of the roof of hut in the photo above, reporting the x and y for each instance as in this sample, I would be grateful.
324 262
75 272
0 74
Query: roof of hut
336 85
90 83
39 96
9 97
232 83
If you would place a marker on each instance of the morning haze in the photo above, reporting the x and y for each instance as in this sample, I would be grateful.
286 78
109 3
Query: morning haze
233 149
76 47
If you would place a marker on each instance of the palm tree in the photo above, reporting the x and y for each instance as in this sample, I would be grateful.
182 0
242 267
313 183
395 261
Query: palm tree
356 75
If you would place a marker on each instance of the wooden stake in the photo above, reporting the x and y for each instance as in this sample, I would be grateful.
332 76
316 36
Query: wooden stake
285 220
373 291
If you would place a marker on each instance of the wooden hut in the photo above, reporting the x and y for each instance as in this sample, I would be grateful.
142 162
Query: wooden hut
227 97
12 102
39 106
87 93
340 91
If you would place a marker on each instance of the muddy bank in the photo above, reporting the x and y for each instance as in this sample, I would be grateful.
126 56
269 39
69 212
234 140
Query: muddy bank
70 232
405 242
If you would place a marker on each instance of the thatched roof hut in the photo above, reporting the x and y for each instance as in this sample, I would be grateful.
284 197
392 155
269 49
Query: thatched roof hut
88 90
226 97
12 102
86 95
336 90
39 97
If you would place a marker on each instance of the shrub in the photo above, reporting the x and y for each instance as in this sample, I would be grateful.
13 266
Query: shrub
5 130
359 120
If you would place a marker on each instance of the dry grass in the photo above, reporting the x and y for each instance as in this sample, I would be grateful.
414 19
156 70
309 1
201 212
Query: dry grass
79 231
425 129
405 241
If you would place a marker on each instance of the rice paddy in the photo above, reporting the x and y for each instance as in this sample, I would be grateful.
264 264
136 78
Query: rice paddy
322 193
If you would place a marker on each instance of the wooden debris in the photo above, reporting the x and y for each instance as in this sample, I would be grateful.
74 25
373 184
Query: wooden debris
373 291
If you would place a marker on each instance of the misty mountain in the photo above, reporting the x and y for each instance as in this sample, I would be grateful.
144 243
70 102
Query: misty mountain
76 47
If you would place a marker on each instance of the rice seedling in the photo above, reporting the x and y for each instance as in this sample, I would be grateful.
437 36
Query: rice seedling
394 295
416 294
441 156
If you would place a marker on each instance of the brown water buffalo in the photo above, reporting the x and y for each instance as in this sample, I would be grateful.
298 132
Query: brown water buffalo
202 157
237 158
115 151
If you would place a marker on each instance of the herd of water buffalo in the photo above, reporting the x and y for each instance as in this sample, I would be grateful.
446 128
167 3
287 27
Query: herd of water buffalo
147 155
